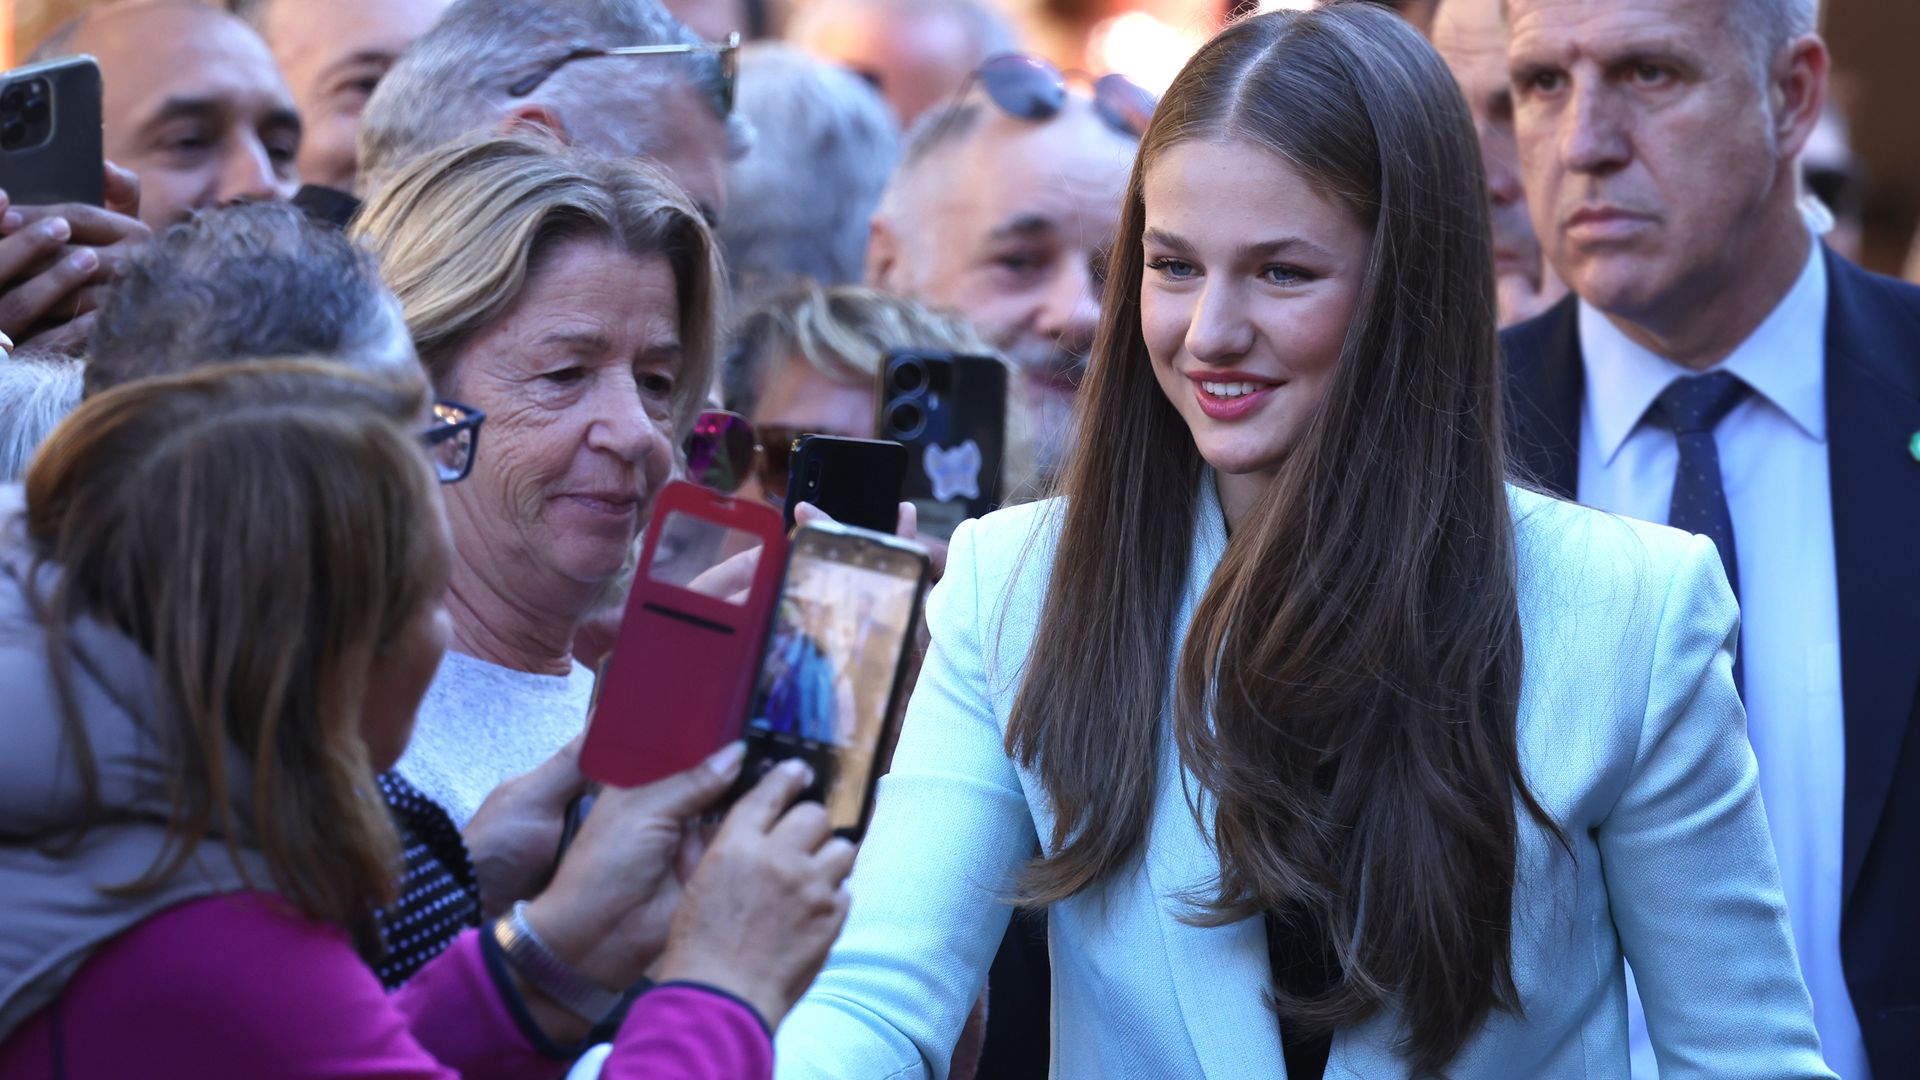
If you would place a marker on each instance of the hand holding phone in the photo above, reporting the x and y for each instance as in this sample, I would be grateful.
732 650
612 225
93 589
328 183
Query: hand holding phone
853 481
833 664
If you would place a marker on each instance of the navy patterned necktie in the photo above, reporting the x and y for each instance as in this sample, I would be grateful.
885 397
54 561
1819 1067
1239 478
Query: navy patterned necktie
1691 407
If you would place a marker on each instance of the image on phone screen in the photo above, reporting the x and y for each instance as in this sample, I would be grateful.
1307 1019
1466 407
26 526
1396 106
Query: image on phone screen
824 691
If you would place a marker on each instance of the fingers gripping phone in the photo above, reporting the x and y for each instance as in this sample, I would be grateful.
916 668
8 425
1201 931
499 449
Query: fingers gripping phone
950 412
833 666
854 481
678 681
50 137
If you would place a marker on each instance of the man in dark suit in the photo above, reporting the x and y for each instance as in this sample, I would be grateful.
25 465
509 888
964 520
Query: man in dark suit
1720 370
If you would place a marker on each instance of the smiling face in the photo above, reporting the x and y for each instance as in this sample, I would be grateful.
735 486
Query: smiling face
1654 160
576 379
194 106
1009 228
1251 280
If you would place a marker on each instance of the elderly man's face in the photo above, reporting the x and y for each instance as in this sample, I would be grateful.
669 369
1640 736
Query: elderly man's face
1010 228
1471 35
332 55
1649 146
194 106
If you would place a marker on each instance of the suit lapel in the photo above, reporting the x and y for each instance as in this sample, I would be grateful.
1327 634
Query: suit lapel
1545 379
1873 414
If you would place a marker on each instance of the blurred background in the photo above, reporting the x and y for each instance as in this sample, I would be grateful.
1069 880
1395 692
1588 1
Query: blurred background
1865 163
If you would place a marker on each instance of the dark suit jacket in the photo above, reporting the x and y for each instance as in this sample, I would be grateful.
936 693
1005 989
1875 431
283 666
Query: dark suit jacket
1873 418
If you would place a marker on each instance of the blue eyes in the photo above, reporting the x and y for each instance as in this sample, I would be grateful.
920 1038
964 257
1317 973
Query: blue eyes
1181 270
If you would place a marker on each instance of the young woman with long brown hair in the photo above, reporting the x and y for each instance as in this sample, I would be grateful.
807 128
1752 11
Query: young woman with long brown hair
1305 710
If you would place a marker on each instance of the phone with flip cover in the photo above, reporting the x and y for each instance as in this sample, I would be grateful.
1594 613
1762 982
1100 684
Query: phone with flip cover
853 481
834 665
50 139
950 412
678 681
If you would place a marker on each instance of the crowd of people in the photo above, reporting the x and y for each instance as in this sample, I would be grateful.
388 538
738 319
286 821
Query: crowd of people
1452 614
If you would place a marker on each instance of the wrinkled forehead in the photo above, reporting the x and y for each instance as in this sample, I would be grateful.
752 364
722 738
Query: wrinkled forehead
152 53
1569 27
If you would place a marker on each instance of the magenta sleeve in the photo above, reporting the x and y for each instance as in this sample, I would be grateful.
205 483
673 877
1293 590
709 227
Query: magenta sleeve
680 1031
456 1013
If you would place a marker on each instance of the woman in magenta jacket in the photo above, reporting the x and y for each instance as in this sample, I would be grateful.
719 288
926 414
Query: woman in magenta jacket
221 598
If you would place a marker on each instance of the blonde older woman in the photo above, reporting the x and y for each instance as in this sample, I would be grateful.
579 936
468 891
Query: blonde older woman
571 298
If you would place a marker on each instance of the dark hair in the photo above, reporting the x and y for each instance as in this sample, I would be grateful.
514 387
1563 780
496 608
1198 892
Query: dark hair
1347 692
245 282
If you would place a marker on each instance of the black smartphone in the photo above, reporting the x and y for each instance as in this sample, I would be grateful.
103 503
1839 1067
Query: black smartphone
834 665
50 140
950 412
855 481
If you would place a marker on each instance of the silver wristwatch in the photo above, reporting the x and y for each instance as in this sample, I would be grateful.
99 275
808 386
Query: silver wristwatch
548 973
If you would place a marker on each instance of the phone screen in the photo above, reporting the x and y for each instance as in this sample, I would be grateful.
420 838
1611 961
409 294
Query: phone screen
833 654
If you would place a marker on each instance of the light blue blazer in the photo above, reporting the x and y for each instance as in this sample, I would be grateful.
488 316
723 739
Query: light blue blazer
1631 736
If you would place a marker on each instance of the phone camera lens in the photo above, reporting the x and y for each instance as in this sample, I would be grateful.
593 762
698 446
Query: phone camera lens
909 376
906 420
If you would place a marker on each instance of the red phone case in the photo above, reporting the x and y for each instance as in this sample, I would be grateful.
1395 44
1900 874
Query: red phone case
676 688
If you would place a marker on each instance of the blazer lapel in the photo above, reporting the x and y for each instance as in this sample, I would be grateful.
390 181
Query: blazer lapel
1545 379
1219 975
1873 418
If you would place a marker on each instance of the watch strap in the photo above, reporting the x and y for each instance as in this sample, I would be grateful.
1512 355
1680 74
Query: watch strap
528 955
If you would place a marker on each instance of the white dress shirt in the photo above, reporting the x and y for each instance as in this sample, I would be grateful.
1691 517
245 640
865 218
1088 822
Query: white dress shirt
1773 462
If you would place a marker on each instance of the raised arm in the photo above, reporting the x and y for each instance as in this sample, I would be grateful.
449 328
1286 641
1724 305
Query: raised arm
1689 863
951 831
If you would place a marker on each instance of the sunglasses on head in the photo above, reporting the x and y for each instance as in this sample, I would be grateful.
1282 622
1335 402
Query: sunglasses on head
452 439
1031 88
728 51
725 448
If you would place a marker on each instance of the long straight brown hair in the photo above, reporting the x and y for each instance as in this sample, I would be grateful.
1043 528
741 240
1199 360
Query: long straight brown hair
1347 690
259 530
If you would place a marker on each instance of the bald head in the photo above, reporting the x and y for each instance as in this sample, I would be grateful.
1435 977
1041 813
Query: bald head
194 105
1007 222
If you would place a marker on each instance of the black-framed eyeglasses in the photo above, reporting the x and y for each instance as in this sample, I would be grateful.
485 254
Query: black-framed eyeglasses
452 439
728 51
1031 88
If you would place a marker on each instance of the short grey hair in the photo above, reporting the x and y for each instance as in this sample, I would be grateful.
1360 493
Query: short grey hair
37 391
1769 25
801 200
454 79
246 282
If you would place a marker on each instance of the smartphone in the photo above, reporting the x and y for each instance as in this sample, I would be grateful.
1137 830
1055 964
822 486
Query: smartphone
950 412
834 664
50 139
855 481
677 683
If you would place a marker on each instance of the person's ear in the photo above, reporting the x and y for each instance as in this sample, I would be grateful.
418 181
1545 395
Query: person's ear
533 118
1797 90
883 256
